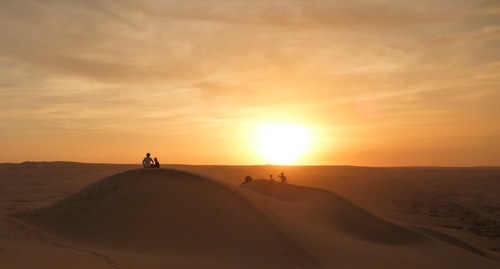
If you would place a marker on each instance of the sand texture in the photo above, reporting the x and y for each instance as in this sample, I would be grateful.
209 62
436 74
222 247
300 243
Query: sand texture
74 215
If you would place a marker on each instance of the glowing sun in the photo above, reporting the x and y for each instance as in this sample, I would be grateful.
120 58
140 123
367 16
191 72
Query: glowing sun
283 143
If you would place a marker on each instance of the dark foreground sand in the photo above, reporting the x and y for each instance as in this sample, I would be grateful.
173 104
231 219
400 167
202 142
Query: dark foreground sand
73 215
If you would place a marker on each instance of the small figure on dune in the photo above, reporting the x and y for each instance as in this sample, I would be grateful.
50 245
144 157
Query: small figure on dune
271 177
247 179
147 162
157 163
283 178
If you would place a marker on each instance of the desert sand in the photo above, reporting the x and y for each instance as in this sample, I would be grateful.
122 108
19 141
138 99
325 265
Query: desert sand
77 215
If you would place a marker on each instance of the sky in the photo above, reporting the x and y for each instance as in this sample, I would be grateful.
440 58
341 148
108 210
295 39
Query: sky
374 82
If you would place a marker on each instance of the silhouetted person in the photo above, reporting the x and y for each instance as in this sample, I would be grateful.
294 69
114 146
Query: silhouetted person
283 178
147 162
157 163
271 177
247 179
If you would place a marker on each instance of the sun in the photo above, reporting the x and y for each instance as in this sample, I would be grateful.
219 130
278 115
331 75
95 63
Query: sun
283 143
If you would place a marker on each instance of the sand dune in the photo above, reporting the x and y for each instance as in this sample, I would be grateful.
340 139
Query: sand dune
337 214
166 218
339 232
176 214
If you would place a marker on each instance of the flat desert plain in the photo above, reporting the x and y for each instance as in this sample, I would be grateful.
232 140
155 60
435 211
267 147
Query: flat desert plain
78 215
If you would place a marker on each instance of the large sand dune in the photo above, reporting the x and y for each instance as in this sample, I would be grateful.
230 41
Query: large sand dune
175 214
166 218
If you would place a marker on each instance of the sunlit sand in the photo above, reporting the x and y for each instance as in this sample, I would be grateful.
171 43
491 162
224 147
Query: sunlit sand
74 215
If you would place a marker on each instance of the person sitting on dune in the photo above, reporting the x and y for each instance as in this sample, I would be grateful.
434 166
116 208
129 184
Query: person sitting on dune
271 177
157 163
247 179
147 162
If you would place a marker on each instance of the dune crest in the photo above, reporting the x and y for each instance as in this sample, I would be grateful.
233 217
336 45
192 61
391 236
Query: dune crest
174 213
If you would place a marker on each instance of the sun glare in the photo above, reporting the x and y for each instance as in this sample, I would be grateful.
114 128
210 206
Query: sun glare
283 143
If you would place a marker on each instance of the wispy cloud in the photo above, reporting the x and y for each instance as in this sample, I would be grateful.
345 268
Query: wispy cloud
190 65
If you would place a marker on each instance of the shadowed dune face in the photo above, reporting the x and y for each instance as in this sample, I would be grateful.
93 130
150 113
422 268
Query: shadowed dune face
174 213
337 214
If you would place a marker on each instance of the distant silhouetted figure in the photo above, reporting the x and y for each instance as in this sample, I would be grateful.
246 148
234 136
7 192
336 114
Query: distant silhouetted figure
271 177
247 179
157 163
283 178
147 162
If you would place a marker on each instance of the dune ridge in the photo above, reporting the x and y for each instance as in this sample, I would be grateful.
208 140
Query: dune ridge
174 213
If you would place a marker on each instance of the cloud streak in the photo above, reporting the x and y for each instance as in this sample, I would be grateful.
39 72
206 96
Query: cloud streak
208 66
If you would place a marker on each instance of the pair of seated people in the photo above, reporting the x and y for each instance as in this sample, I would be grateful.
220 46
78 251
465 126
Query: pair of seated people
147 162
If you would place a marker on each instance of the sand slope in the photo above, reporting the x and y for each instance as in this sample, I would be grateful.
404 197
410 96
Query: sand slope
175 214
335 213
343 235
34 184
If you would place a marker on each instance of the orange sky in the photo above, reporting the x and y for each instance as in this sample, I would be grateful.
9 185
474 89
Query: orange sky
379 83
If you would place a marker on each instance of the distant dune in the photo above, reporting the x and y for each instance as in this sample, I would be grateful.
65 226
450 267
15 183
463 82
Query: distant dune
71 215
